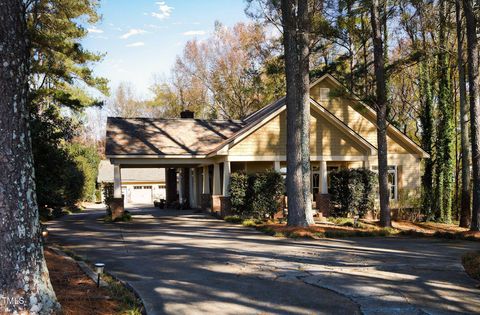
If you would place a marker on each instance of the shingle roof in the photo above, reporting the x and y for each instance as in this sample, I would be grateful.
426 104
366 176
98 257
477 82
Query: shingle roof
149 136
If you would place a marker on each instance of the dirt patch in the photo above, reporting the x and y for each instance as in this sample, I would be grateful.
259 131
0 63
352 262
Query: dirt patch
75 291
471 263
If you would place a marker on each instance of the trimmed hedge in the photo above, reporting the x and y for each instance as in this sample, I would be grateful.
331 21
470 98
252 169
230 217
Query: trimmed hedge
352 192
256 195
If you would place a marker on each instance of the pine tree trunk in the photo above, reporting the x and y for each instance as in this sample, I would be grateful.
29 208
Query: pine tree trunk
465 215
381 107
445 140
472 59
295 26
24 280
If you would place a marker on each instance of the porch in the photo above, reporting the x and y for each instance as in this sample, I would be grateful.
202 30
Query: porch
199 182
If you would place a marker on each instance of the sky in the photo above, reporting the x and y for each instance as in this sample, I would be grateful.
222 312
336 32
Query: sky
141 38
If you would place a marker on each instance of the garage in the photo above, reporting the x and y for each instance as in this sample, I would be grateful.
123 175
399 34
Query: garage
141 194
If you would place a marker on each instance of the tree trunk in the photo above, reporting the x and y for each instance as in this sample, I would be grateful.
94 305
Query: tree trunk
295 21
472 59
465 215
25 284
381 108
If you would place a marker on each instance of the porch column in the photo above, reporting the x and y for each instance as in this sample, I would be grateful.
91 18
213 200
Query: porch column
323 177
194 188
181 187
276 166
117 181
191 183
206 180
216 179
226 178
366 163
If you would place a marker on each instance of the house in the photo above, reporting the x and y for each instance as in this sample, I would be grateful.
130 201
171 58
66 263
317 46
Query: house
139 185
203 153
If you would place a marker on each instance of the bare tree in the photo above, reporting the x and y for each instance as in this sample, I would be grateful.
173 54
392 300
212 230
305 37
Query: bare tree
24 280
381 107
296 28
472 59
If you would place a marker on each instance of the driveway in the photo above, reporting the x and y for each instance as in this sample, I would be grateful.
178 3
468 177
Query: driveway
186 263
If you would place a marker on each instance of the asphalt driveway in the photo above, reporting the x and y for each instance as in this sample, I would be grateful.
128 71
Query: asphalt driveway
186 263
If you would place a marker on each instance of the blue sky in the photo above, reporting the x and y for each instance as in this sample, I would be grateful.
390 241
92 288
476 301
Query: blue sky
141 38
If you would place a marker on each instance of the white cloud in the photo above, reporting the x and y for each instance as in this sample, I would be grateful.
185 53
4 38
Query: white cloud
136 44
132 32
93 29
193 33
164 10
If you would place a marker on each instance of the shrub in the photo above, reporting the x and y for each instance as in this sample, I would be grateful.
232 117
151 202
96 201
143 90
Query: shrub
233 219
352 192
108 196
238 191
256 195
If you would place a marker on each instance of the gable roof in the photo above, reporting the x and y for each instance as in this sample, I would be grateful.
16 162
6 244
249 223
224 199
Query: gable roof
148 136
390 128
197 137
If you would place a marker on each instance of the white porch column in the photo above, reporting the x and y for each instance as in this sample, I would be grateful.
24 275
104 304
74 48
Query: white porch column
117 181
276 166
226 178
181 192
206 180
366 164
323 177
195 194
216 179
191 195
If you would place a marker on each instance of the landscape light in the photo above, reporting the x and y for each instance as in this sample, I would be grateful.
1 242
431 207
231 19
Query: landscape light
99 270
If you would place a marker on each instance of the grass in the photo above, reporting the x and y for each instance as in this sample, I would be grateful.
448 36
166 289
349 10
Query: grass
471 263
130 303
233 219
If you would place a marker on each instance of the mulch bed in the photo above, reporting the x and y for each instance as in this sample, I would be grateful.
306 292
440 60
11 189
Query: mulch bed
75 291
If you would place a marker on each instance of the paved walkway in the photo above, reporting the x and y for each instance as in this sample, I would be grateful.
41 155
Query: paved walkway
186 263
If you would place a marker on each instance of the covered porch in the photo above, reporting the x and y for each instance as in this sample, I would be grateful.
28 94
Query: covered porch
201 182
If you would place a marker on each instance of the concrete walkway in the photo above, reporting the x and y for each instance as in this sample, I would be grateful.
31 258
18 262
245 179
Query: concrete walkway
186 263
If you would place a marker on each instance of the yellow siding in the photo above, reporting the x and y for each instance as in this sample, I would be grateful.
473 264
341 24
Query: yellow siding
270 139
354 115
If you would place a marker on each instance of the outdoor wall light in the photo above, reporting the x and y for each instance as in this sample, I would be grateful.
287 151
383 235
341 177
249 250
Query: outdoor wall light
44 232
99 270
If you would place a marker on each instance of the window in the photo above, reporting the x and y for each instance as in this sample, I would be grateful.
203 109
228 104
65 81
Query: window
392 178
324 93
315 181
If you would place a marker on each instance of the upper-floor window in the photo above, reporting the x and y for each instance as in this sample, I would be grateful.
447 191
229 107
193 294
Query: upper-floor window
324 94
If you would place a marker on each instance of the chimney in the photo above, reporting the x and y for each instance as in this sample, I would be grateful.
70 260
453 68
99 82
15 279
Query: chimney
187 114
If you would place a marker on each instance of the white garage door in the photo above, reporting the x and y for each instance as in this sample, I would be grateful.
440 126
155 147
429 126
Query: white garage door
142 194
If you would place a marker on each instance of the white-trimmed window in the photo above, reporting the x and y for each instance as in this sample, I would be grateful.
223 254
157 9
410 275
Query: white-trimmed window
324 94
392 178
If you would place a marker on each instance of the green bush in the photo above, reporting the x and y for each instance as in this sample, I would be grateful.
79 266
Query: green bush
352 192
256 195
108 196
238 191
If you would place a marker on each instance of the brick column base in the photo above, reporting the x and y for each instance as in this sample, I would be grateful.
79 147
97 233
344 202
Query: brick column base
117 207
323 204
